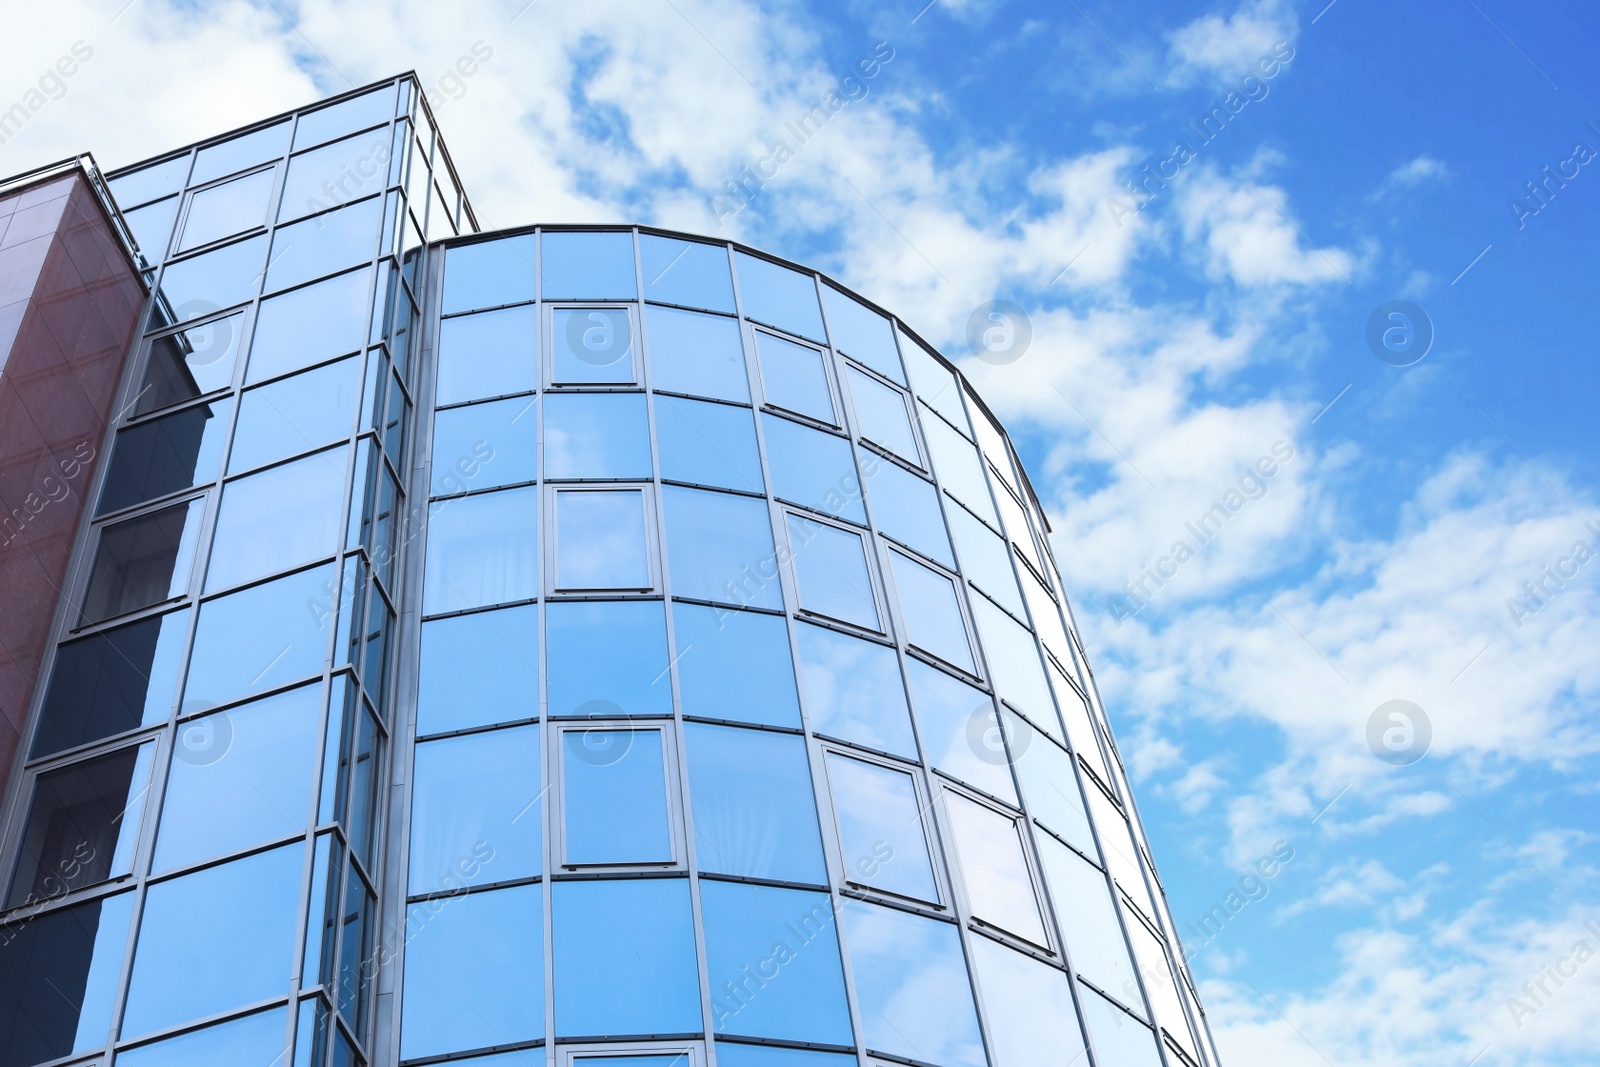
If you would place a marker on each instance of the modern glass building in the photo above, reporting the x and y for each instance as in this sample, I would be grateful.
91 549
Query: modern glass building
566 643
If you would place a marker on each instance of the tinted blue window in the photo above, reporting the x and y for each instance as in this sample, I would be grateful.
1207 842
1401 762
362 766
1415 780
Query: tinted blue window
881 416
934 383
1013 660
1118 1037
719 547
482 550
226 209
1088 917
960 731
913 990
624 958
490 273
1029 1007
254 1041
239 153
479 669
321 245
735 665
754 814
296 414
310 325
214 280
482 446
165 455
474 972
931 614
772 956
614 796
862 334
596 435
335 174
185 364
260 638
492 354
702 355
735 1054
830 567
357 113
142 561
475 810
151 182
112 681
793 378
853 690
985 559
882 840
1045 774
59 974
707 444
608 658
960 470
686 272
779 297
588 266
592 346
152 227
813 469
906 508
601 541
283 516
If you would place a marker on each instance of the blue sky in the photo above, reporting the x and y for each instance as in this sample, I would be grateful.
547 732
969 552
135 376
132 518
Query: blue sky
1170 353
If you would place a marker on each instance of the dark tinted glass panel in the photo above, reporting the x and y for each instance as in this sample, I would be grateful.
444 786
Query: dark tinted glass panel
596 435
753 812
624 958
931 614
735 665
881 415
960 730
151 182
358 112
813 469
475 810
862 334
614 801
697 354
211 281
189 363
1118 1037
601 541
82 826
58 979
707 444
608 659
310 325
588 266
491 273
719 547
779 297
853 690
331 241
906 508
165 455
479 669
686 272
142 561
483 446
830 567
254 1041
492 354
111 682
296 414
226 209
592 346
993 868
240 778
772 956
1029 1008
793 378
152 227
260 638
482 550
283 516
882 840
335 174
239 153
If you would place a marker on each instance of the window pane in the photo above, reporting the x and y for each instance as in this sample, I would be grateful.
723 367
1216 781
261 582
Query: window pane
719 547
482 550
592 346
211 281
1089 924
226 209
490 273
492 354
734 1054
111 682
608 654
335 174
601 540
830 567
934 383
772 956
686 272
296 414
166 455
240 778
286 515
588 266
1049 784
475 813
985 560
239 153
310 325
1029 1005
260 638
1118 1038
779 297
624 958
735 665
253 1041
189 363
1013 660
485 445
596 435
906 508
793 377
754 812
960 472
994 869
707 444
152 227
697 354
912 986
368 109
881 836
151 182
142 561
321 245
474 972
249 910
614 797
813 469
853 690
960 731
930 612
82 826
1158 983
881 415
59 974
479 669
862 334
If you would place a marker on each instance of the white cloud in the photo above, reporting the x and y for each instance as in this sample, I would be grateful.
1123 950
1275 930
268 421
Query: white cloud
1250 236
1228 47
1409 175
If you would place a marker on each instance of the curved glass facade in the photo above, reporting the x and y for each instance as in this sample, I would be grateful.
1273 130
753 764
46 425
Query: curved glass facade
551 645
